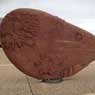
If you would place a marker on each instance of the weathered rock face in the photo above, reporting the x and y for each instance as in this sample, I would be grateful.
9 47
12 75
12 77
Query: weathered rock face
0 31
45 46
0 20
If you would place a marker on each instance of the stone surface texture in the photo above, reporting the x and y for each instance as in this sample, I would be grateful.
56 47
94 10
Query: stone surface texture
44 46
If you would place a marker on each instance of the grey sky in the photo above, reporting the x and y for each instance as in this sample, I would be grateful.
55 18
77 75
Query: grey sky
75 11
63 8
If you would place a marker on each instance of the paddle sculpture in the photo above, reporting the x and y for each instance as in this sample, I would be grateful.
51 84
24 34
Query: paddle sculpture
44 46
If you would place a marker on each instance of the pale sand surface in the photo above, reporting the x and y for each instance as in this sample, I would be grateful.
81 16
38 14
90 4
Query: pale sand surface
3 58
13 82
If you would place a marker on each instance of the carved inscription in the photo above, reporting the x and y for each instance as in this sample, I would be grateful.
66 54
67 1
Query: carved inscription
22 33
78 36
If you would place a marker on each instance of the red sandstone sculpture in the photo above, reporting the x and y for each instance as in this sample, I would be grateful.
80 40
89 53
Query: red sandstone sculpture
45 46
